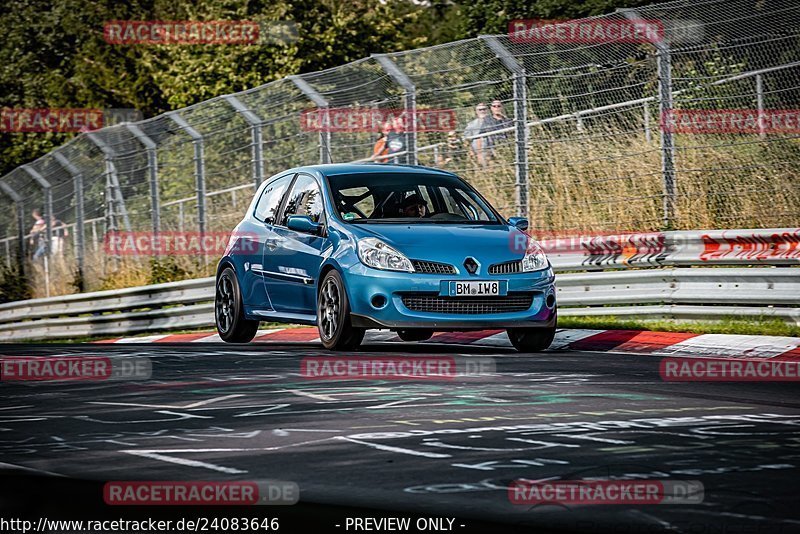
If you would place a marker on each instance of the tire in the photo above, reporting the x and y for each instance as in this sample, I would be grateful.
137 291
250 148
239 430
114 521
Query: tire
336 330
417 334
531 339
229 310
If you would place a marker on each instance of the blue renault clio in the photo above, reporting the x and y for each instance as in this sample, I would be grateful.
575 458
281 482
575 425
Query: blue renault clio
352 247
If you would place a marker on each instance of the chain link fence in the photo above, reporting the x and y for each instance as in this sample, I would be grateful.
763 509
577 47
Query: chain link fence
577 143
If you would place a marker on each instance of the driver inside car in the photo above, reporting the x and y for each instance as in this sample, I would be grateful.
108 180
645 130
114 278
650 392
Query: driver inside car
414 206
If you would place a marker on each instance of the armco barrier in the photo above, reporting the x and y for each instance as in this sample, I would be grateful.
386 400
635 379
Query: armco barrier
683 275
187 304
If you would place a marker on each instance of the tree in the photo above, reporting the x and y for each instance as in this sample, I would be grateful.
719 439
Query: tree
55 55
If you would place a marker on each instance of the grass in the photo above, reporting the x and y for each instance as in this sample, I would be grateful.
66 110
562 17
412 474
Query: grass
750 326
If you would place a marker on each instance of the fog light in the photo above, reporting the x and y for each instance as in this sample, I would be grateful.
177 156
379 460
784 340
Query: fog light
550 301
378 301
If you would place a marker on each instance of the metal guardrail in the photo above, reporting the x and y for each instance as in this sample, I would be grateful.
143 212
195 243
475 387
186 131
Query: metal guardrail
682 275
158 307
737 286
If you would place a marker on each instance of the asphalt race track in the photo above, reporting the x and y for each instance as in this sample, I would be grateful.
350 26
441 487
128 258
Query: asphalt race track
437 448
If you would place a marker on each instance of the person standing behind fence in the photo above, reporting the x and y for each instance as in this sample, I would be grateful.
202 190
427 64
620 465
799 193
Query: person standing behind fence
453 153
496 121
475 127
38 239
59 234
380 150
396 139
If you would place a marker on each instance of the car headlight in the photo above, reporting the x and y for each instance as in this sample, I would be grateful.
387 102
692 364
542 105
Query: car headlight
376 254
535 259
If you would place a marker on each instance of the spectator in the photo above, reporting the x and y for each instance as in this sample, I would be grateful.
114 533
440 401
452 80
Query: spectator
38 239
381 150
497 121
453 152
396 139
59 234
476 127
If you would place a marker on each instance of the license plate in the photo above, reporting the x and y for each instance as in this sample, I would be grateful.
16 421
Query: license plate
474 289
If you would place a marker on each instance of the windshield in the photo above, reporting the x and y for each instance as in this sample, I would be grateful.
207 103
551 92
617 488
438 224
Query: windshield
408 198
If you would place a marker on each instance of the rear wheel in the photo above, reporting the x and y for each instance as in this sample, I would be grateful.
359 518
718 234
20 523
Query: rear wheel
336 331
417 334
531 339
229 311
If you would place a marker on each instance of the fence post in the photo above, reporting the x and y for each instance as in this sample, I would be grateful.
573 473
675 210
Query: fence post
257 136
520 93
664 61
77 180
321 103
113 181
199 169
760 105
152 170
20 207
94 236
409 105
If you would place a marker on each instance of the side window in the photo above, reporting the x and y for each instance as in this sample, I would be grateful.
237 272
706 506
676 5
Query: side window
270 201
304 199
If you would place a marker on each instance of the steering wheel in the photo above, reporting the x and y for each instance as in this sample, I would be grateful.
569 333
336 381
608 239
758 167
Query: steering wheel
446 215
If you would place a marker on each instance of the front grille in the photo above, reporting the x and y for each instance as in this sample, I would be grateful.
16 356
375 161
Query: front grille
432 267
506 268
468 305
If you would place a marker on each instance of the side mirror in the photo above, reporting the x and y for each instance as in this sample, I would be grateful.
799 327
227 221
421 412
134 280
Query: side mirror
519 222
303 223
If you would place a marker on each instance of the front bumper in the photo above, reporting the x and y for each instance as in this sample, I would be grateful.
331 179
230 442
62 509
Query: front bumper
366 286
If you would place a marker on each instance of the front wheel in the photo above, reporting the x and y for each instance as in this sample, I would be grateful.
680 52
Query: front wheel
229 311
531 339
336 331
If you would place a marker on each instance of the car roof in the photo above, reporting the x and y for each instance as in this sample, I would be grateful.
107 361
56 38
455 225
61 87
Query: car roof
333 169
